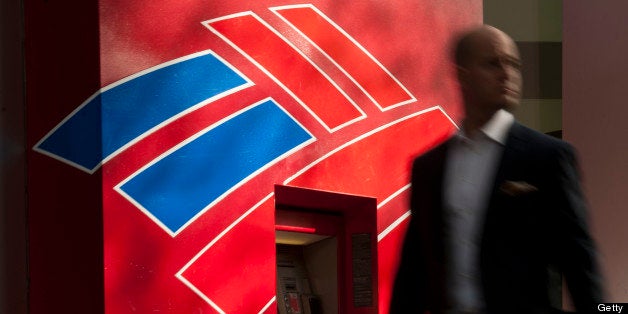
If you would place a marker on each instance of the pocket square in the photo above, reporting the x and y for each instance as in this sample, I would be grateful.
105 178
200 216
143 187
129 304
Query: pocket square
515 188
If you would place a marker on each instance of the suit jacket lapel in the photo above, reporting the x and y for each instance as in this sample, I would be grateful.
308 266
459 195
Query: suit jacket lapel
513 148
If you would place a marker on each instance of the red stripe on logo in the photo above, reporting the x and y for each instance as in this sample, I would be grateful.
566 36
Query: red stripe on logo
288 67
235 260
379 173
363 69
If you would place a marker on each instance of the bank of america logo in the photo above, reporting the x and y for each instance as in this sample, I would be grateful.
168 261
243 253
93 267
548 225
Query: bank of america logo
283 101
169 189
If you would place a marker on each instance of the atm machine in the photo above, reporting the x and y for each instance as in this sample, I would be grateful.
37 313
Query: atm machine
326 252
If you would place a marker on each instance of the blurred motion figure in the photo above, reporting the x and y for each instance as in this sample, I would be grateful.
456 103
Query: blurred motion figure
496 206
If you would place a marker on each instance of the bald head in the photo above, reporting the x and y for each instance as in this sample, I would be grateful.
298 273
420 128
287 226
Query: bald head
467 43
488 72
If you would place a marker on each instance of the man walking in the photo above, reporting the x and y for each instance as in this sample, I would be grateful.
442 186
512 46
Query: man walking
496 206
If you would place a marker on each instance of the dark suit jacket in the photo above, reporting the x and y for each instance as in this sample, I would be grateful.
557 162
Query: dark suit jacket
524 234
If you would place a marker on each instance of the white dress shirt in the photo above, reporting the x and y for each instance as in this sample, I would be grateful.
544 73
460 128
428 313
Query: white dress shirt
470 171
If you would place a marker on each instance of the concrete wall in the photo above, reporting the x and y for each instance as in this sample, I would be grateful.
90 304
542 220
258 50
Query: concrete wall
595 41
591 110
536 26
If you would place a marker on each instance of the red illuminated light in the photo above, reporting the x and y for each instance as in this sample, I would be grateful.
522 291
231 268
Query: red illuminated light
295 229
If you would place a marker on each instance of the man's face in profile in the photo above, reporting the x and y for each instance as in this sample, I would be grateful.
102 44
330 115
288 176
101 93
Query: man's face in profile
491 75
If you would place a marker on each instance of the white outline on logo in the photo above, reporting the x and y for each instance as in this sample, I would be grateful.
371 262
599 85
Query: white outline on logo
248 83
276 80
186 282
226 193
355 42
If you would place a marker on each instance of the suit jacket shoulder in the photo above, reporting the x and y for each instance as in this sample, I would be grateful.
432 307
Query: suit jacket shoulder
536 141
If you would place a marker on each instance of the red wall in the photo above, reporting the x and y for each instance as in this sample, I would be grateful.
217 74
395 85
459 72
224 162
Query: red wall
134 206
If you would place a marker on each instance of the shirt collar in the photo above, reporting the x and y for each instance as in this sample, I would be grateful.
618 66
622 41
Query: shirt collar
497 127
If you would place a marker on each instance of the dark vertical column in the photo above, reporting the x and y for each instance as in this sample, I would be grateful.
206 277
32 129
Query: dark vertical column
65 205
13 277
